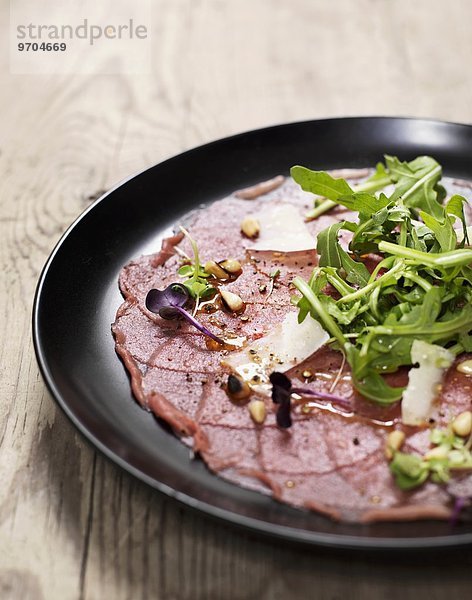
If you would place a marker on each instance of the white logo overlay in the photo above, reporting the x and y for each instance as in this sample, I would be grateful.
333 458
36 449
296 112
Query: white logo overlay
80 37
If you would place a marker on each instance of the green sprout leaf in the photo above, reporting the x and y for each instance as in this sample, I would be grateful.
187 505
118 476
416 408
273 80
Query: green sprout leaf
409 470
196 282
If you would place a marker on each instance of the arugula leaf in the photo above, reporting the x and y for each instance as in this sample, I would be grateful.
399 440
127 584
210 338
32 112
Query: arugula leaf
320 183
343 315
454 258
328 246
364 203
442 229
415 182
332 255
465 341
368 382
323 184
455 208
319 312
420 290
380 175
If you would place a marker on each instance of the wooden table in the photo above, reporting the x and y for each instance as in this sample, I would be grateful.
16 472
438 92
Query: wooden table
73 525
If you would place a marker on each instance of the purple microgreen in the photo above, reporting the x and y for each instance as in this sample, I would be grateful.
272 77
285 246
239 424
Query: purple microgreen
323 396
282 391
280 383
459 504
281 395
283 416
193 321
169 304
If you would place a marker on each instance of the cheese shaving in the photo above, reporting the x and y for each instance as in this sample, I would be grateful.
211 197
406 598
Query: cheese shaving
286 345
282 229
423 382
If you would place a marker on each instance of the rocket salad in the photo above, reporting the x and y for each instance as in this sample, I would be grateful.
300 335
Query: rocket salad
421 285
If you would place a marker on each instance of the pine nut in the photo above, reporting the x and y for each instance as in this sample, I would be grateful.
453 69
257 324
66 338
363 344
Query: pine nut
212 268
462 424
238 390
232 301
394 442
439 452
231 265
465 367
250 227
257 410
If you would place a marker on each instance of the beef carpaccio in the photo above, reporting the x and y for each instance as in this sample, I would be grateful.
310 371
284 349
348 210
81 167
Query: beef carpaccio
330 460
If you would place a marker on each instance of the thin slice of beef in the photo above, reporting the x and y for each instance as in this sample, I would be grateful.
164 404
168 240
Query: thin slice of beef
330 460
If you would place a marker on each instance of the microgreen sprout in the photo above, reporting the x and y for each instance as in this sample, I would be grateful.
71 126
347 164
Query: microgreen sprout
281 395
170 304
273 276
282 390
409 470
449 453
338 375
196 277
460 503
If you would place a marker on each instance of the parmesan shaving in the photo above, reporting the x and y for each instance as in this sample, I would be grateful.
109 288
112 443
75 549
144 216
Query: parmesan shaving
286 345
282 229
423 382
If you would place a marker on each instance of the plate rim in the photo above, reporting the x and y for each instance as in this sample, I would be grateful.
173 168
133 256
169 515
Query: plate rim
222 515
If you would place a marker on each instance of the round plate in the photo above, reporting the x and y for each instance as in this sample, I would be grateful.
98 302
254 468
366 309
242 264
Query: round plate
77 297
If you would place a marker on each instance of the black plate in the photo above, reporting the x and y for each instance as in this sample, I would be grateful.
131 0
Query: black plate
77 297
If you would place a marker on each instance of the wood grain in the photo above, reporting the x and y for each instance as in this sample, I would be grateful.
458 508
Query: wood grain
72 525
